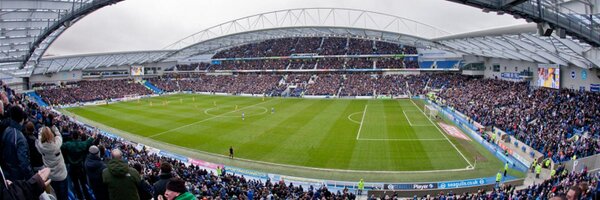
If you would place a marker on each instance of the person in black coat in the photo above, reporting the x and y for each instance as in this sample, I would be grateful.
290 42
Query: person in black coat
15 151
34 156
93 169
165 175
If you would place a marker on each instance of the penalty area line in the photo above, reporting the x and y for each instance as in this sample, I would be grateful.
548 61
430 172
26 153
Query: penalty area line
409 123
443 134
361 121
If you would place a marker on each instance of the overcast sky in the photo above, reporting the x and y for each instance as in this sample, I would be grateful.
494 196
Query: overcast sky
153 24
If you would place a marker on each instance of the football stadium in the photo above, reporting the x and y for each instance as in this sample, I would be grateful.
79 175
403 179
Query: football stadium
300 102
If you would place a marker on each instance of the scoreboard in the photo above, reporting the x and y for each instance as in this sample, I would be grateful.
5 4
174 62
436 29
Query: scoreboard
137 70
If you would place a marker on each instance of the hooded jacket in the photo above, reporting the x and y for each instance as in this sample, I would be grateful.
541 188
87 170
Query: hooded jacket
52 156
121 180
186 196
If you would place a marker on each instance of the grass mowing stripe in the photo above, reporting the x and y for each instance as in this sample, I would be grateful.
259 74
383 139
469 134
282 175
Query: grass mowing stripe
441 132
311 128
133 122
403 130
217 135
313 133
203 120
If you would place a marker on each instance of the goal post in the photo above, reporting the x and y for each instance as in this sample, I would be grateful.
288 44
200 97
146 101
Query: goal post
431 112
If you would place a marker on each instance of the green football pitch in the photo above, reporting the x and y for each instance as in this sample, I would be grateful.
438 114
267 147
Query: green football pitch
340 134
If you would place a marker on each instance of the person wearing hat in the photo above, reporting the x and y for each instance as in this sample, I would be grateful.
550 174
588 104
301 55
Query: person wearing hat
176 191
48 145
93 169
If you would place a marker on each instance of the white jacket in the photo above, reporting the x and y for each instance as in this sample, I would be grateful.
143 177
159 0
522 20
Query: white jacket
52 156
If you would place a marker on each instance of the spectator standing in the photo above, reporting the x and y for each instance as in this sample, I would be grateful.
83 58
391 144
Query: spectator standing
145 190
93 169
121 180
15 151
75 152
49 145
164 177
34 156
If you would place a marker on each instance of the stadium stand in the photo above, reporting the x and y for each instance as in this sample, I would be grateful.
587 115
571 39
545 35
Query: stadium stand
314 45
359 63
85 91
503 104
549 127
495 106
330 63
358 85
389 63
200 183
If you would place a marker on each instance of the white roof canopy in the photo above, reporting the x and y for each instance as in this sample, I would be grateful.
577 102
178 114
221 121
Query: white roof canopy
515 43
28 27
95 61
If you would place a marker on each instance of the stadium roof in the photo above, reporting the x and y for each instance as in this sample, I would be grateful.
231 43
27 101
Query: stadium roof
516 43
28 28
521 42
94 61
307 22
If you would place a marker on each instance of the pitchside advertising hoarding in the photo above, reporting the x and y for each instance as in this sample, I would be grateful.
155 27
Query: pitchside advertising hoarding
463 183
410 186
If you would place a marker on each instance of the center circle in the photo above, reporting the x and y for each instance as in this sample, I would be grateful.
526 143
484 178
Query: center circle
231 111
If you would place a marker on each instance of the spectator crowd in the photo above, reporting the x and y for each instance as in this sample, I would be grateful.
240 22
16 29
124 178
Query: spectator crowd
42 149
86 91
545 119
314 45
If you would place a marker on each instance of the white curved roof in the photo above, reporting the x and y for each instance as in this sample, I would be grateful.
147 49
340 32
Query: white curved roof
521 42
28 27
94 61
516 43
306 22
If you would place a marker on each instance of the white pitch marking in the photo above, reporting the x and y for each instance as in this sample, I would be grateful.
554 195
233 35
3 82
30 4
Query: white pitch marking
215 116
361 121
441 132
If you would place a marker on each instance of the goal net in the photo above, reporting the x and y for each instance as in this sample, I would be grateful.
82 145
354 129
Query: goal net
431 112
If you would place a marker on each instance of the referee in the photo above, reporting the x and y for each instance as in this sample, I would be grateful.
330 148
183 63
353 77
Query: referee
231 152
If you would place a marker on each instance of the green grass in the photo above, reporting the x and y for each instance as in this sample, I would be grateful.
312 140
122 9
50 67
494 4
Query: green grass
394 136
